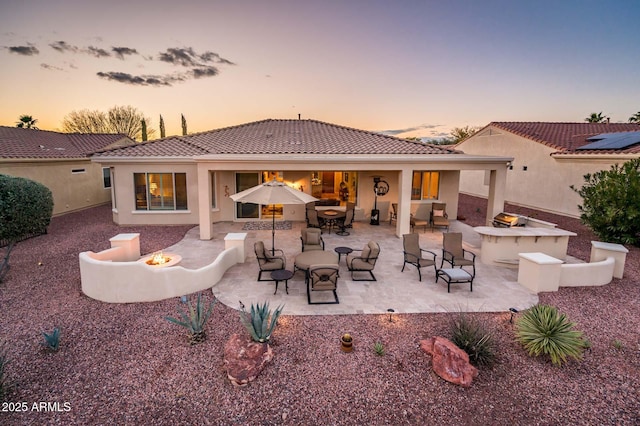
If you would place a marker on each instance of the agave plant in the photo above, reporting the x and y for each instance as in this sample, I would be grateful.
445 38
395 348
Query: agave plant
260 321
195 319
52 341
542 330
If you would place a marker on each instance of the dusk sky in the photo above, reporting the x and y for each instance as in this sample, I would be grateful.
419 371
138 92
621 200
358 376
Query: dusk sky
408 68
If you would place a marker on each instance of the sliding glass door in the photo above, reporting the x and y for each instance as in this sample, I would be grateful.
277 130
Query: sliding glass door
246 181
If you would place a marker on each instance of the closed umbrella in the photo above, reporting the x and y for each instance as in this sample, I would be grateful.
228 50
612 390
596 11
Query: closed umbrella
272 192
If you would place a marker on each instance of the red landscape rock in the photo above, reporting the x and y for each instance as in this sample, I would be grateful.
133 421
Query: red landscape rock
449 361
245 359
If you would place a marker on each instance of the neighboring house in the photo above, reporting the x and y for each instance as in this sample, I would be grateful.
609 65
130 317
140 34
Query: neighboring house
549 158
188 179
61 162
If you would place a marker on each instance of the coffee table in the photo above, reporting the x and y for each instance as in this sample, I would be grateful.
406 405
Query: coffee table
281 275
455 276
342 250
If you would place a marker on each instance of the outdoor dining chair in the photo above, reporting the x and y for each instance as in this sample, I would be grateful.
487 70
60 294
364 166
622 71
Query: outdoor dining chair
267 261
365 262
323 278
313 220
345 223
454 254
393 215
413 254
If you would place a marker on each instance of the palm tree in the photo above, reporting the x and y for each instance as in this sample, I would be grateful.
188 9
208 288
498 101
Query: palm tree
635 118
27 122
595 118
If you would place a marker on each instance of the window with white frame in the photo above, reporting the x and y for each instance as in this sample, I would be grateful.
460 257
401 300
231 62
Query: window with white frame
160 191
425 185
214 202
106 177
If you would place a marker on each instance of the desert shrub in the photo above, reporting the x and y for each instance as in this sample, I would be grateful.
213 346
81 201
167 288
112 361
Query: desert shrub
4 382
25 207
260 322
194 319
473 336
542 330
611 203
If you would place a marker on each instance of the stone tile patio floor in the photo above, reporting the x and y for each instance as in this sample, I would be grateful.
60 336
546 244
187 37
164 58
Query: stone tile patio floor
495 289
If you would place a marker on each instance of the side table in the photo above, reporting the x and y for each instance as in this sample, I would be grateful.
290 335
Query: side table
342 250
281 275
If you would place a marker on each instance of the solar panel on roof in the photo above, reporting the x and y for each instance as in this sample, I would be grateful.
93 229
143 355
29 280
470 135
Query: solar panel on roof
617 140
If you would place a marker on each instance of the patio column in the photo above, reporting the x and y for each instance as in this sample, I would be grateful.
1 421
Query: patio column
497 185
403 223
204 203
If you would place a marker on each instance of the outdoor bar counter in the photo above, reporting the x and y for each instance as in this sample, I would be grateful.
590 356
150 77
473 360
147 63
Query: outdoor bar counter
500 246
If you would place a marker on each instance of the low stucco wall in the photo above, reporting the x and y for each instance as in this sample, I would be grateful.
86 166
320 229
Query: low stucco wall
587 274
130 282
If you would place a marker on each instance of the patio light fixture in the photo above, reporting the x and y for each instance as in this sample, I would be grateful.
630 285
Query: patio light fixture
513 312
391 312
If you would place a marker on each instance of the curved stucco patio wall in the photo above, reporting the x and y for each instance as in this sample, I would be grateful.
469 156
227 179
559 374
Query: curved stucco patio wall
108 280
587 274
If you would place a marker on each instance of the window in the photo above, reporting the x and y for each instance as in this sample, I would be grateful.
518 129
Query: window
160 191
106 177
425 185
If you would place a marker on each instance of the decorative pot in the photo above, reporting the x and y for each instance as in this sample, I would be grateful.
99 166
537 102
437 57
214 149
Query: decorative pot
346 343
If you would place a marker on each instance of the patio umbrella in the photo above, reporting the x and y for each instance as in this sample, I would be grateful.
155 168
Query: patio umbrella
272 192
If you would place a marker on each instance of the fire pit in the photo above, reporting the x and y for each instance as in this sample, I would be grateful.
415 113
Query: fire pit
161 260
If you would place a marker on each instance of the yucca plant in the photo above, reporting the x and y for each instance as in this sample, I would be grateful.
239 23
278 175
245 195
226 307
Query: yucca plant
473 336
542 330
378 348
195 319
52 341
260 322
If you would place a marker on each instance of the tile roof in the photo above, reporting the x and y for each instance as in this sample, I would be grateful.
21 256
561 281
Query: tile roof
274 136
21 143
567 137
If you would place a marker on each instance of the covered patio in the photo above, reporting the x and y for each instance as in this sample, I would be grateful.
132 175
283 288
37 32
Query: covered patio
495 289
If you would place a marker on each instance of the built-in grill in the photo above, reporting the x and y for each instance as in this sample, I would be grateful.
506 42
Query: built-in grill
508 220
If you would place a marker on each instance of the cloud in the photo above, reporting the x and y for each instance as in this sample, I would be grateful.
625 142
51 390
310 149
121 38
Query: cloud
29 50
420 127
51 67
214 57
63 46
120 52
97 52
201 72
136 80
179 56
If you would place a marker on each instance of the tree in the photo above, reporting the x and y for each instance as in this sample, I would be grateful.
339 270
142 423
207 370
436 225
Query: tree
595 118
184 125
162 132
611 203
25 210
27 122
144 130
635 118
119 119
458 134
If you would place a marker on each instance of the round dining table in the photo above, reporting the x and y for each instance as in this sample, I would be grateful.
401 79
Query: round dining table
331 217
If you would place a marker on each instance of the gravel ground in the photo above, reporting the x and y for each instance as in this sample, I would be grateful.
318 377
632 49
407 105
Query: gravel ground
124 364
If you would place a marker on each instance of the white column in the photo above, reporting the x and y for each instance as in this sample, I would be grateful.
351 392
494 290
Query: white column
403 224
497 185
204 202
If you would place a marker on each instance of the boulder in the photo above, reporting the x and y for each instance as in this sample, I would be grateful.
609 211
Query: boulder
449 361
244 359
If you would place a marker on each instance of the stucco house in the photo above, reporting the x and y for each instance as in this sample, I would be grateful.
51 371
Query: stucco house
548 159
61 162
188 179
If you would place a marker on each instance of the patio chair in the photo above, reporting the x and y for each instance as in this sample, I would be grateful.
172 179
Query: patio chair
393 215
454 254
267 261
414 221
313 220
311 239
439 216
322 278
345 223
413 254
365 262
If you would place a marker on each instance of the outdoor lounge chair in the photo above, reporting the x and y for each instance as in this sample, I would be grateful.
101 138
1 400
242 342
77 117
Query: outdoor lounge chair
439 216
345 223
414 221
268 261
322 278
413 254
454 254
365 262
311 239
